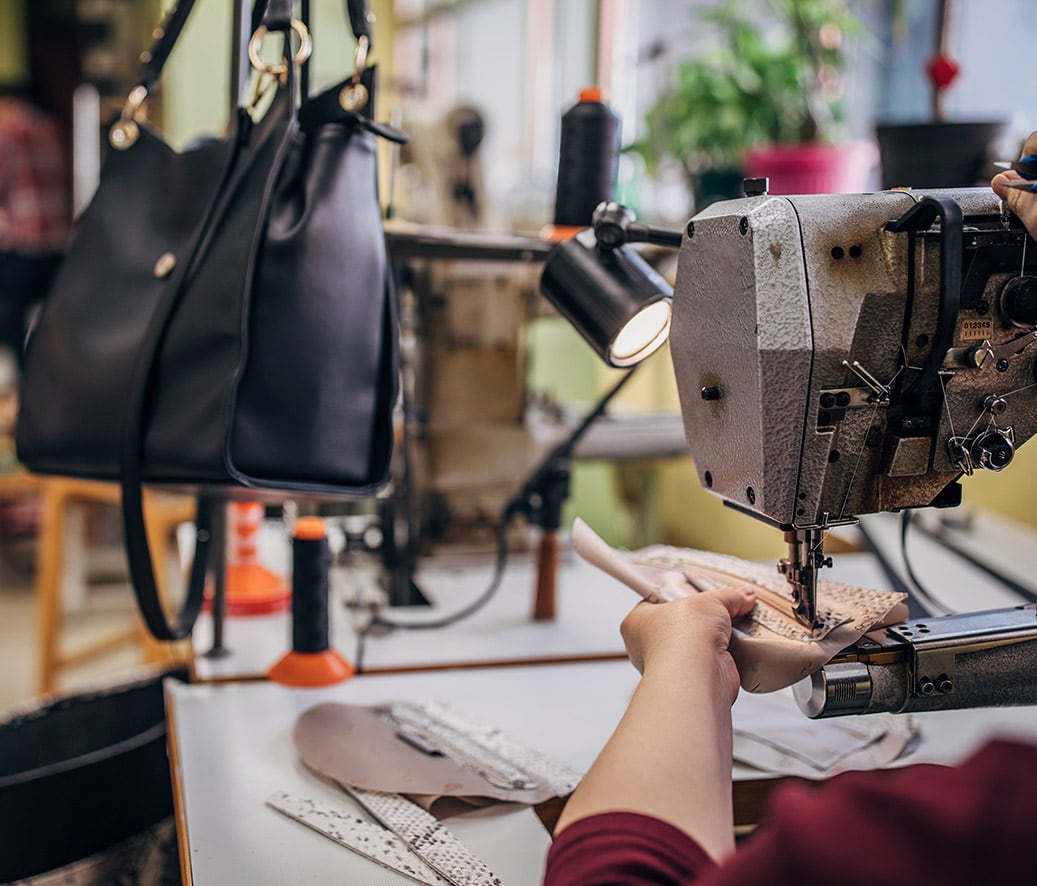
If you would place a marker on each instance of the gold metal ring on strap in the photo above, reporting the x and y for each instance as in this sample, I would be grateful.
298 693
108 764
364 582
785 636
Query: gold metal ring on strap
354 94
301 54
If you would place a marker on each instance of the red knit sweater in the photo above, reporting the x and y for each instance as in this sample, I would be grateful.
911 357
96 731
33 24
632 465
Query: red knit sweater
924 824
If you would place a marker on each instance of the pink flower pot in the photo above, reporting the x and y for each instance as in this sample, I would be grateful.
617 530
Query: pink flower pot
815 168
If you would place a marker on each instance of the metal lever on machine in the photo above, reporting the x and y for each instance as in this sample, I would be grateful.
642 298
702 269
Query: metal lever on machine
952 225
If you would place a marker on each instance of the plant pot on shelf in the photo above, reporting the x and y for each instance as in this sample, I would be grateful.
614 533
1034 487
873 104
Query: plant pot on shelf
814 168
937 154
722 183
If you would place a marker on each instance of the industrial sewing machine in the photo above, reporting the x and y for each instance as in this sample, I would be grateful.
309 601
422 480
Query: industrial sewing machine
843 355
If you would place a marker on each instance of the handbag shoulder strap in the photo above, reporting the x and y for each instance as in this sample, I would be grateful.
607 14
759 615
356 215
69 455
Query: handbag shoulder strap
166 35
360 20
275 15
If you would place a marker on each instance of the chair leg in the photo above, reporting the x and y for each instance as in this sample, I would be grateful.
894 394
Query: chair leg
50 554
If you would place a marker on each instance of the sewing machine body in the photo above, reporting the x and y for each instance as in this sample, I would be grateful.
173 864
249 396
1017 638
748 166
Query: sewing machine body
832 364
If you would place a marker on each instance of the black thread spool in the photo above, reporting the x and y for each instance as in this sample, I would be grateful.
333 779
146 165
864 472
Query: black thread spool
588 160
310 562
310 662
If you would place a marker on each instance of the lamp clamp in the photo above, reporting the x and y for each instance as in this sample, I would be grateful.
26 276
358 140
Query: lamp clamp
615 224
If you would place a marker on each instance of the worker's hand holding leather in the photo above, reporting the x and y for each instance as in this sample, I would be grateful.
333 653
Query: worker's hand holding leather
1022 203
691 634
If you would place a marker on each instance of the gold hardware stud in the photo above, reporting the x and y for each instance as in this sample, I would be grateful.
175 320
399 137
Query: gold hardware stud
353 96
123 135
165 264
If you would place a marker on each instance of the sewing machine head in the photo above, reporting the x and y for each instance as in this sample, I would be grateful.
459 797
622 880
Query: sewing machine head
841 355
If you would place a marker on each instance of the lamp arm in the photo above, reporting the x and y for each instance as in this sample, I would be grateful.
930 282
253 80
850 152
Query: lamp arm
546 473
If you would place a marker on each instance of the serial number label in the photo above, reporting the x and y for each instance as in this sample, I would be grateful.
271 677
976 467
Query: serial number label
975 330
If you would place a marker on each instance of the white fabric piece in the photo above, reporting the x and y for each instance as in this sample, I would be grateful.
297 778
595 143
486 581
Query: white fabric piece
771 734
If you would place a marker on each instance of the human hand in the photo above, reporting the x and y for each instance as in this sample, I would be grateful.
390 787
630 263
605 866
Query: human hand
689 634
1022 203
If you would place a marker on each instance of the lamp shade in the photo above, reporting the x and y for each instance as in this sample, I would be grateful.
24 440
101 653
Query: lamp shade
612 296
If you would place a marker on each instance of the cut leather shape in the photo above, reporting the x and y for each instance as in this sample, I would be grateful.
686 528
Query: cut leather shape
361 747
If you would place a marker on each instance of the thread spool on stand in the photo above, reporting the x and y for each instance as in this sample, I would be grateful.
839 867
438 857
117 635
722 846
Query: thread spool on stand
311 662
588 163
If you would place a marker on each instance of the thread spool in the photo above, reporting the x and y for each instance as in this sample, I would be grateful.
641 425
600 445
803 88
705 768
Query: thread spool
251 588
588 160
311 661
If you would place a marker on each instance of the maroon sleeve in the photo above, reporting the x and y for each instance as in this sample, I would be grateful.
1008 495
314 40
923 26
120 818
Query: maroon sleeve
957 826
921 824
627 848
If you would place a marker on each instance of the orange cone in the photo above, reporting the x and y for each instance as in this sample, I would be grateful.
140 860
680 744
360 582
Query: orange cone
251 588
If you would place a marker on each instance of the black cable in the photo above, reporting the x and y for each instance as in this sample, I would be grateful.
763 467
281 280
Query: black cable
915 608
498 573
934 605
941 538
520 503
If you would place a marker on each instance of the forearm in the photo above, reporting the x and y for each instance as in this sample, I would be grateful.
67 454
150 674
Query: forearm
670 757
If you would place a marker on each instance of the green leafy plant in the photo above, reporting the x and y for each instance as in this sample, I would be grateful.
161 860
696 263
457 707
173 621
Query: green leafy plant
771 79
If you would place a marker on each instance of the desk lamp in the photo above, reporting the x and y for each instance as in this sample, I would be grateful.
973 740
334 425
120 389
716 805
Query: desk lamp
611 295
621 307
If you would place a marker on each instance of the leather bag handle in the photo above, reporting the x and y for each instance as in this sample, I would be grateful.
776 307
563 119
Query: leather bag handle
274 14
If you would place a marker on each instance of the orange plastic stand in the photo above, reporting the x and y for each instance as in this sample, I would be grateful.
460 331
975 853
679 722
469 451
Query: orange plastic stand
311 669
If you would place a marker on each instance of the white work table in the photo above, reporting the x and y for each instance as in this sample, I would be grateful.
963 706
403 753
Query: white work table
590 605
231 745
231 742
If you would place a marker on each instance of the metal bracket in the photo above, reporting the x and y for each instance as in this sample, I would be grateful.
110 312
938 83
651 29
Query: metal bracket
936 643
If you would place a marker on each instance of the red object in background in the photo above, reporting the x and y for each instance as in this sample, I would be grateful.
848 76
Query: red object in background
814 168
942 70
251 588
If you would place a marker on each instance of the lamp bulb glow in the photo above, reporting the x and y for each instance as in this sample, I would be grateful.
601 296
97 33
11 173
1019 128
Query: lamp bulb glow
642 334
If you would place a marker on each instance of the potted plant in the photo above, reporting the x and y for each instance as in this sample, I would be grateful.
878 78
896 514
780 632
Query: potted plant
766 100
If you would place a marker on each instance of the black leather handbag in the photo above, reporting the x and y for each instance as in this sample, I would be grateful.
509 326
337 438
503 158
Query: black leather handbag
223 318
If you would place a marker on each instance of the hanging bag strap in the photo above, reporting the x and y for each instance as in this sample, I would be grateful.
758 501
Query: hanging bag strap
131 479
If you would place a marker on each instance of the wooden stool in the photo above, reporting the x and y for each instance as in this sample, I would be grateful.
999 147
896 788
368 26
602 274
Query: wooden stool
163 513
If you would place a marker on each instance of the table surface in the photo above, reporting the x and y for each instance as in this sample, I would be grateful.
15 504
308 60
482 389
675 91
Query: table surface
233 742
233 747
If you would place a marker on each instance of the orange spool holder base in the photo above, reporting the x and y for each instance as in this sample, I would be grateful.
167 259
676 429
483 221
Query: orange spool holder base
311 669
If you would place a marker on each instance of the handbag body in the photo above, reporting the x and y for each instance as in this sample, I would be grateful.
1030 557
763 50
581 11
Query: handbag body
223 319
